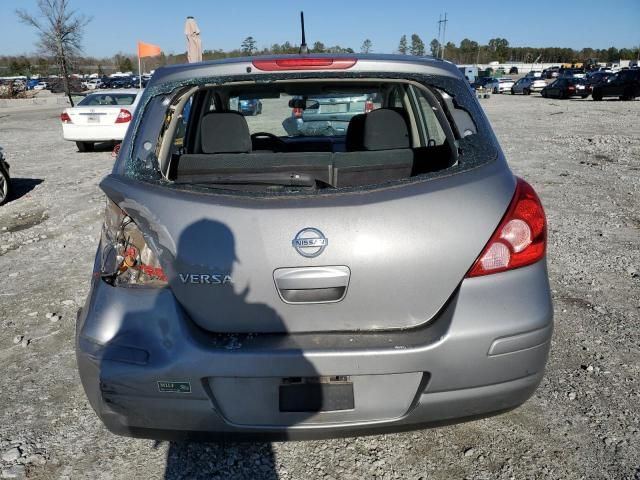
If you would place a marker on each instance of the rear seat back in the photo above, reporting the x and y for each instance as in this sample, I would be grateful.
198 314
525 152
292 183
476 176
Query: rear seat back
197 167
382 136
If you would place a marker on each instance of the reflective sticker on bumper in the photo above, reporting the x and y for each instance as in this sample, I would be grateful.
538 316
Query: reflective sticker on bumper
174 387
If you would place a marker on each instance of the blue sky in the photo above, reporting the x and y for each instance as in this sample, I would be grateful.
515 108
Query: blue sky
117 24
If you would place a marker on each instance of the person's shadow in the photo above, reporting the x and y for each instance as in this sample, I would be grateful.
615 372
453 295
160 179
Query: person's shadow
206 252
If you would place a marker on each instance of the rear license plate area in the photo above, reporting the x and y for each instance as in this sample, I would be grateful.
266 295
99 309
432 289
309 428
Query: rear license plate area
316 394
333 108
93 119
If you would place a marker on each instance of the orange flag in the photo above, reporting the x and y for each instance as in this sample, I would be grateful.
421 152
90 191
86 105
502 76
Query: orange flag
147 50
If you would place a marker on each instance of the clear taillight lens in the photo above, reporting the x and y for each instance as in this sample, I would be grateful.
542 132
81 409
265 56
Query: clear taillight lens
126 259
521 237
124 116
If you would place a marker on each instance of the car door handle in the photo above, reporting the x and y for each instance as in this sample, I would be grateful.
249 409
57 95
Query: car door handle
312 284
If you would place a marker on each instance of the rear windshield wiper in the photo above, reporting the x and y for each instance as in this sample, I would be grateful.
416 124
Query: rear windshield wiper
273 178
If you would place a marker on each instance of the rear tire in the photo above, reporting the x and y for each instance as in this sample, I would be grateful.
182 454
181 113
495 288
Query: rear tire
5 186
513 92
495 90
526 91
85 146
597 96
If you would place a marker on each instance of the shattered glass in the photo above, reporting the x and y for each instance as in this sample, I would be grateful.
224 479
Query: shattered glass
140 160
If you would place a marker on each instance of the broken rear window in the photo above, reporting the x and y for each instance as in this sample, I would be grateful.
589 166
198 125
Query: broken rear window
293 136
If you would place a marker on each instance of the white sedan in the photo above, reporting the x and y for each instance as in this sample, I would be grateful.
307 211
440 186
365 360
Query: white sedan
100 117
527 85
500 85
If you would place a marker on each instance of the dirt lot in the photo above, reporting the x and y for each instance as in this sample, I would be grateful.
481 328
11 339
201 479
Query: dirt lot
582 157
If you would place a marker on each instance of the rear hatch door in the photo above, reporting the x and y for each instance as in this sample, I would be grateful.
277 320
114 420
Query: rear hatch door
398 253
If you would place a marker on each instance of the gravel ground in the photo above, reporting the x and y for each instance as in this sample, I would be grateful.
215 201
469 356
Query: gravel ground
582 157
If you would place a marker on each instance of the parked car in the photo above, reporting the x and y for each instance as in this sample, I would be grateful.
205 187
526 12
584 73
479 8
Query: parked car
99 117
117 82
566 88
500 85
32 83
92 84
624 85
328 287
528 85
572 73
41 86
551 72
5 179
325 115
250 106
481 82
596 78
534 74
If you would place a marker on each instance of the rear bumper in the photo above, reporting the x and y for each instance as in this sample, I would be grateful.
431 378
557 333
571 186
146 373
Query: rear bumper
484 353
94 133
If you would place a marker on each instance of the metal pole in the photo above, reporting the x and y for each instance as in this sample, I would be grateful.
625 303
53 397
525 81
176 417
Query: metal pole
439 36
444 33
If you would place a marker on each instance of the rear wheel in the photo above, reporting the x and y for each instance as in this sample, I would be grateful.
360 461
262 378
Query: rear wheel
526 91
512 91
85 146
495 89
5 186
597 96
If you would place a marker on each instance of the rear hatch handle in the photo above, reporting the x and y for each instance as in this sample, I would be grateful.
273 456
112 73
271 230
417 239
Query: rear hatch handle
312 284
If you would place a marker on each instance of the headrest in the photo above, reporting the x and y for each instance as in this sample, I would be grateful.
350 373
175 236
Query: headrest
225 132
355 133
385 129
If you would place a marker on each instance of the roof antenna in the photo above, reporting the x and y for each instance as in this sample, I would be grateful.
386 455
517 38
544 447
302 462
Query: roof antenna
303 46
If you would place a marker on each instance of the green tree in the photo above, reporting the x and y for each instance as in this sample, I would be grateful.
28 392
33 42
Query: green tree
435 47
450 50
248 46
500 47
60 32
468 51
318 47
366 46
126 65
403 47
417 45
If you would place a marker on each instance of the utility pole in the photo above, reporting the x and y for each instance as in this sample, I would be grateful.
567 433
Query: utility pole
439 36
442 26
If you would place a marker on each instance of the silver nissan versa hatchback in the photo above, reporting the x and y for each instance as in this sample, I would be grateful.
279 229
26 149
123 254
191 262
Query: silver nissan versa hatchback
381 271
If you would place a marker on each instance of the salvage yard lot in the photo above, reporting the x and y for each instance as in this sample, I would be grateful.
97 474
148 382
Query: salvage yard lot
583 159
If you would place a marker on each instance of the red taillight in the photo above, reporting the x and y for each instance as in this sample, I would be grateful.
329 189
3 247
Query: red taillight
124 116
368 106
65 118
571 88
519 240
297 112
305 63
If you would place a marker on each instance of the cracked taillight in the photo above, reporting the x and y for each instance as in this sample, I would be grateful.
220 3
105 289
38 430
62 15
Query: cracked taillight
126 258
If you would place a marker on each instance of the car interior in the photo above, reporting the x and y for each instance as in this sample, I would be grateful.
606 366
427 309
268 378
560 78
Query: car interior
410 131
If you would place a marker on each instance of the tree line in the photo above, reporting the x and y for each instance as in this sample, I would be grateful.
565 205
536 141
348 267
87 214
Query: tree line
498 49
466 52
